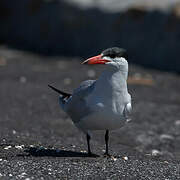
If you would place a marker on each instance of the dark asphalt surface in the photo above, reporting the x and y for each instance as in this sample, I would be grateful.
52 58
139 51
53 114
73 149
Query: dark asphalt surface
38 140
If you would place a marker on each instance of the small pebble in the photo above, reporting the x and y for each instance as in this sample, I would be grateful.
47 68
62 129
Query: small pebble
23 79
166 136
7 147
0 159
113 158
14 132
125 158
67 81
155 152
19 146
177 123
27 179
128 120
83 151
22 175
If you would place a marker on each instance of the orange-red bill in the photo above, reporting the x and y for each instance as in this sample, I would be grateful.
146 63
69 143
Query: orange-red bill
95 60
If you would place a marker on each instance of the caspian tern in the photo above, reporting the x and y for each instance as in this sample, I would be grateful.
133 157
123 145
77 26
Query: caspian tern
102 104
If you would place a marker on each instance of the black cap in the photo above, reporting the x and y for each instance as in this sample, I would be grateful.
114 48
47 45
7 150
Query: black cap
115 52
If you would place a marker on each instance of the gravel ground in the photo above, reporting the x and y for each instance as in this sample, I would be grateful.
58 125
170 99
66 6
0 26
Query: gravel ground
39 141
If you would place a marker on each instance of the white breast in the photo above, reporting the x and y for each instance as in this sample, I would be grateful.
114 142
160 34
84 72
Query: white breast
102 120
107 102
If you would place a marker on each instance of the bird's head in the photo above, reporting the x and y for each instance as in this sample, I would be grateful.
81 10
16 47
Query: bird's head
112 56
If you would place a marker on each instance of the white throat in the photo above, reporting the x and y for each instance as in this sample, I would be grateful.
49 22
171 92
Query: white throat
112 81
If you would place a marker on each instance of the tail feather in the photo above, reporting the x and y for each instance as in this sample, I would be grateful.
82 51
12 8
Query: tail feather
62 98
64 94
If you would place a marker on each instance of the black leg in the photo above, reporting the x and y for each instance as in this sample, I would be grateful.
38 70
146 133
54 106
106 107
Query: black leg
88 143
106 140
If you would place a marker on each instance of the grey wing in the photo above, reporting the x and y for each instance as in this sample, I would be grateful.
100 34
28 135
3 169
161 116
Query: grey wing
84 89
76 106
128 107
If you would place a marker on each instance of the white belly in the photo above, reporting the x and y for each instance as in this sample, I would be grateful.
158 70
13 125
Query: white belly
101 120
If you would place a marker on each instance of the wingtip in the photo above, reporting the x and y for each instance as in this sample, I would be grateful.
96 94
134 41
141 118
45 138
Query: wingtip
53 88
59 91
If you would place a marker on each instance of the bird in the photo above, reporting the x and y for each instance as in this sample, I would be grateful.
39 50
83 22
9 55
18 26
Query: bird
102 104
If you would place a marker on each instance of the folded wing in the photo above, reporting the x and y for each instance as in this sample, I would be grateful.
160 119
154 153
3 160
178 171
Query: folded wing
76 105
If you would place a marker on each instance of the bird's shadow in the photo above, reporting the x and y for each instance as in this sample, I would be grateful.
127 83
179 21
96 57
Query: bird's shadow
42 152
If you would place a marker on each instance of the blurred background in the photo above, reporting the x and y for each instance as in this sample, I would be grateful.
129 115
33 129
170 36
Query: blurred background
43 42
148 29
